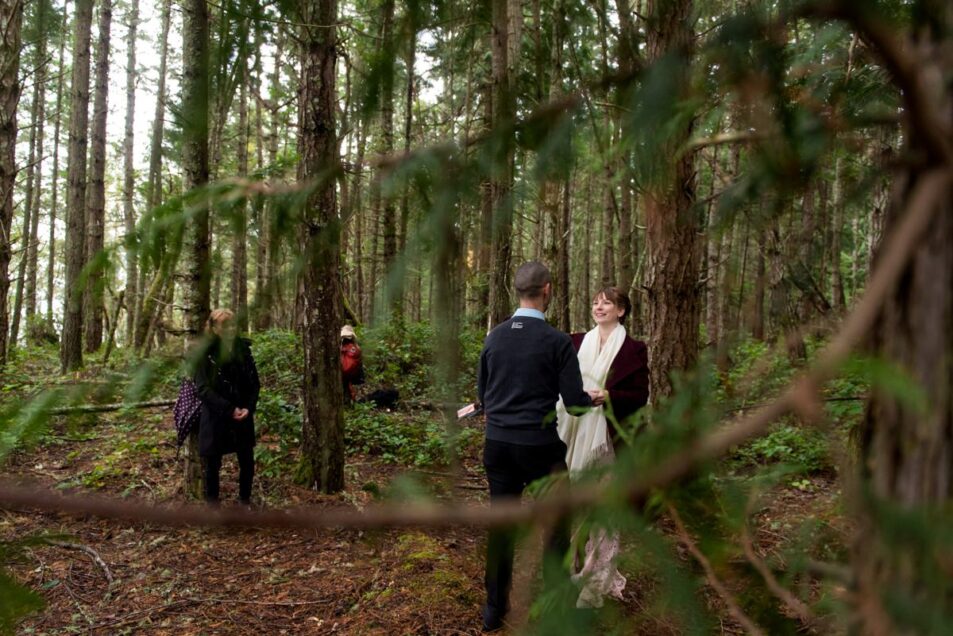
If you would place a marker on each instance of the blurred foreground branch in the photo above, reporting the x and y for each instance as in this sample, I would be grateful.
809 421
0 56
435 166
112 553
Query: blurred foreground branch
801 397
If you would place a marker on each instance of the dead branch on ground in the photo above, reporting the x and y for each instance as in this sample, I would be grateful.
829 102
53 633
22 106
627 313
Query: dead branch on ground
733 608
93 555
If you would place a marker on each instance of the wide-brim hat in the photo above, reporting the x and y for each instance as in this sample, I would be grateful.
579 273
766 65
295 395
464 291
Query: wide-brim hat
347 331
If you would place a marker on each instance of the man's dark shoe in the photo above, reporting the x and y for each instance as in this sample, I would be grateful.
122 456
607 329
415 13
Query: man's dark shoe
492 622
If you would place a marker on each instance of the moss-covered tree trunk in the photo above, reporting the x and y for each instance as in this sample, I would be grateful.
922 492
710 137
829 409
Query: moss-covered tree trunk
195 160
319 301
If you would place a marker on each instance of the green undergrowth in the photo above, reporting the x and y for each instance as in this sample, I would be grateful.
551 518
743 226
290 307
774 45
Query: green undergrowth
758 372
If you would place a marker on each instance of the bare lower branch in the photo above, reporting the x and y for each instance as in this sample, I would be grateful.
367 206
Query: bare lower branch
799 397
800 609
733 608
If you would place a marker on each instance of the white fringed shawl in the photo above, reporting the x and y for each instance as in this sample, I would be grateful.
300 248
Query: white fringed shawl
587 436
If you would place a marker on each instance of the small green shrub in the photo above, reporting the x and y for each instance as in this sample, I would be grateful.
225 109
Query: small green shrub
798 446
406 358
397 438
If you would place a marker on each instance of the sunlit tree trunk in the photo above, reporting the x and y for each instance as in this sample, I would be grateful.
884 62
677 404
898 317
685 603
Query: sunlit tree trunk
672 228
322 461
11 19
71 346
96 191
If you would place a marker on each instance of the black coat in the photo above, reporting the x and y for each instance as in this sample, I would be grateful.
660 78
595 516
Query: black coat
225 382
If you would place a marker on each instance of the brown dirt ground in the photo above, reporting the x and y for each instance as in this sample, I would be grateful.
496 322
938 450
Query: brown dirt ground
201 581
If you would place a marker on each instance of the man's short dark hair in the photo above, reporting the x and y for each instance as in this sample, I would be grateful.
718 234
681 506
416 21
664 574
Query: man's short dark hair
530 279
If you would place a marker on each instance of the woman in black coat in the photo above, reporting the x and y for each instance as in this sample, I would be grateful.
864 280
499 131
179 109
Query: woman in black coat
227 384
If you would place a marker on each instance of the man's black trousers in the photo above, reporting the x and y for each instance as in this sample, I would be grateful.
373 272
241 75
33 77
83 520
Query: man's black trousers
509 469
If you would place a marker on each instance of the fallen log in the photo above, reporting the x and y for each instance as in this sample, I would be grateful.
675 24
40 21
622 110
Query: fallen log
104 408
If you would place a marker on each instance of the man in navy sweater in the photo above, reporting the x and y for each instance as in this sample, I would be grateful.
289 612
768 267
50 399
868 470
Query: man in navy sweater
525 366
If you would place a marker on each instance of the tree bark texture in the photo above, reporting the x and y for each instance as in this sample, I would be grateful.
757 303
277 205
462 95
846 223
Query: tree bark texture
71 345
25 228
32 245
319 295
54 197
129 174
672 225
907 452
239 278
501 180
195 160
11 20
388 210
96 191
142 313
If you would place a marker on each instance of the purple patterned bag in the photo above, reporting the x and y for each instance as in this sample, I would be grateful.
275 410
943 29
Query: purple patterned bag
185 413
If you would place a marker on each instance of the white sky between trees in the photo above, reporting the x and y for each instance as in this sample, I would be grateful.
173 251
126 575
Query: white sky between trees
147 63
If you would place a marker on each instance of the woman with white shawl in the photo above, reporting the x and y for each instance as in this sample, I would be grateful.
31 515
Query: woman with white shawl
616 365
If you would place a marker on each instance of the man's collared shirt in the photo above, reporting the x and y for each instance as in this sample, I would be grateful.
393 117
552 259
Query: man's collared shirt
527 312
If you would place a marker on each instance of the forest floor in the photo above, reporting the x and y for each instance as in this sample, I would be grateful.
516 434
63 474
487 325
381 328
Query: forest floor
227 581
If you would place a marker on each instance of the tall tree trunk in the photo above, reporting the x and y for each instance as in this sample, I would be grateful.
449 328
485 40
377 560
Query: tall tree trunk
261 222
25 227
388 211
626 239
96 192
71 346
32 244
501 179
713 260
322 464
483 312
11 19
562 258
54 200
671 225
239 278
143 313
269 284
585 284
129 174
195 166
410 59
357 210
906 449
760 283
